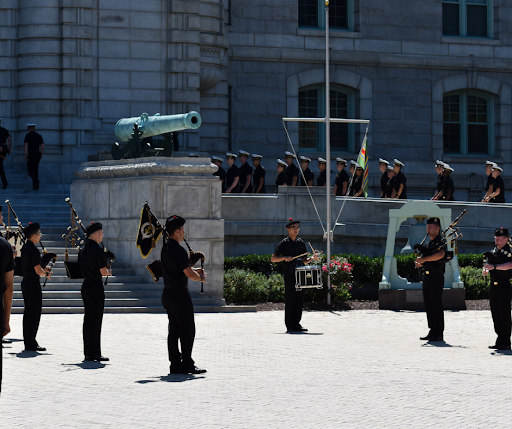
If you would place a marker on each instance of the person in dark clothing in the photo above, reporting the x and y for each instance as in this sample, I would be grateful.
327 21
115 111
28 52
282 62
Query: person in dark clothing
357 183
489 188
288 250
245 173
321 180
499 266
259 175
232 175
342 179
281 178
400 181
448 187
93 264
176 299
220 173
5 149
390 185
33 153
6 291
308 174
383 167
439 166
433 281
31 286
498 186
292 171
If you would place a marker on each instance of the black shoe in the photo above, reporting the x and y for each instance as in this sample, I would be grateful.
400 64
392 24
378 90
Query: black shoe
96 359
435 338
502 347
303 329
425 338
193 370
37 349
174 369
293 331
493 347
4 341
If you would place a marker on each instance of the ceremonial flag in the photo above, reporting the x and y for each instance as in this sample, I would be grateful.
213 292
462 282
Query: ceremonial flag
362 160
149 231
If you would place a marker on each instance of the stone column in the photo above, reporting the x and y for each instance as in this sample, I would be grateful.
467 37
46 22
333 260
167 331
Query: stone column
112 192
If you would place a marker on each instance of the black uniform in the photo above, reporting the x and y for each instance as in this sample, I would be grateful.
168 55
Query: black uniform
259 173
399 179
221 173
245 170
356 185
6 265
232 172
433 284
498 184
383 184
5 149
490 181
448 186
178 304
293 299
321 179
34 141
92 259
32 294
308 174
341 178
440 182
499 295
390 187
281 179
292 171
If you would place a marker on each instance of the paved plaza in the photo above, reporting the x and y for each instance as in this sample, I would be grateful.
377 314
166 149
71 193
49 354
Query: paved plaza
355 369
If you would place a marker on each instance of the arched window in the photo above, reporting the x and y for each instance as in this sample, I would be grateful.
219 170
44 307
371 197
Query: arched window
312 105
468 123
467 18
312 14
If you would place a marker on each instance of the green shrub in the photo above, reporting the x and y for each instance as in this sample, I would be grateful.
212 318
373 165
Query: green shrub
470 260
244 287
365 270
476 285
257 263
275 289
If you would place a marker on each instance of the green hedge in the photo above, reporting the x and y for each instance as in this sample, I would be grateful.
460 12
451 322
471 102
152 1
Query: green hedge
476 285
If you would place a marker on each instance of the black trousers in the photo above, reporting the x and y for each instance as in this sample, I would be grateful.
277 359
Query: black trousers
293 302
499 297
433 284
33 169
1 348
93 295
2 171
182 329
33 298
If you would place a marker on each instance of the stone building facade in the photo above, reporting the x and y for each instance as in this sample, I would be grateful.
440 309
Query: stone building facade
433 76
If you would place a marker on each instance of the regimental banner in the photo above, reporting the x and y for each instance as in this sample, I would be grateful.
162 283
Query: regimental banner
362 160
149 231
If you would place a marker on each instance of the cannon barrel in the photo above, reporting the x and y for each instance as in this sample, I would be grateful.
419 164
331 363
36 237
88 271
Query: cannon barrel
155 125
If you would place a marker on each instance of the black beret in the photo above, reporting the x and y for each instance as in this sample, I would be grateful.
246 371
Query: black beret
434 221
292 222
501 232
174 222
92 228
31 228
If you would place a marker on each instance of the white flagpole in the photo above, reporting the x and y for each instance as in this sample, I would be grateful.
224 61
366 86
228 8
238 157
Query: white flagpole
328 148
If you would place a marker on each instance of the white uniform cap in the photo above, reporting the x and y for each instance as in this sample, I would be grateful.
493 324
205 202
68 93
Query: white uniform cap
230 155
256 156
287 153
243 152
489 162
217 158
495 167
305 158
390 168
446 167
383 161
281 162
398 162
352 162
321 160
341 161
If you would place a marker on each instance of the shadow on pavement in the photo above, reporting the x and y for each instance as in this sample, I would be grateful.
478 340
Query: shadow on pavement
172 378
299 333
29 354
440 344
501 353
86 365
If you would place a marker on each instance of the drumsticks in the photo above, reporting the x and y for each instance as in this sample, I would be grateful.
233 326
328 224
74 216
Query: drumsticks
299 256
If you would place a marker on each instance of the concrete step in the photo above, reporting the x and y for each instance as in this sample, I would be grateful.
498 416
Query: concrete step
157 309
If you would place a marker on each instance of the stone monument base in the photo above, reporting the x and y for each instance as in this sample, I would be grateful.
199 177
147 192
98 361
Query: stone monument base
412 299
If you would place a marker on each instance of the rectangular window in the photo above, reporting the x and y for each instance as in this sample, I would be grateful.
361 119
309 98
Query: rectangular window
308 13
451 19
338 14
478 132
339 132
467 18
312 14
308 108
451 124
477 18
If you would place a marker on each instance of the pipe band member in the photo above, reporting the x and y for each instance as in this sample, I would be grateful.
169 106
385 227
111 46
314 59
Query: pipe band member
6 291
433 281
499 266
31 286
286 251
176 299
93 264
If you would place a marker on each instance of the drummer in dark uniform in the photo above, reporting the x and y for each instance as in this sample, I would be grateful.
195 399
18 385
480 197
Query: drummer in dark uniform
321 180
31 286
245 173
232 175
220 173
289 251
498 192
33 153
292 171
383 167
308 174
342 179
490 180
93 264
400 181
281 178
499 266
259 175
176 299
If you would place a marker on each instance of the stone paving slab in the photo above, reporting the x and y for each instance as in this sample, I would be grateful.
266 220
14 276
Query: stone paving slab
355 369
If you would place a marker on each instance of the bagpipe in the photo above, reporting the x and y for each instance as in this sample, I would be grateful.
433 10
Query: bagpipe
149 232
48 259
448 236
74 238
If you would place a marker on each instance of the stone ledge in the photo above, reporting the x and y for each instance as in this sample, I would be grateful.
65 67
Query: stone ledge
412 299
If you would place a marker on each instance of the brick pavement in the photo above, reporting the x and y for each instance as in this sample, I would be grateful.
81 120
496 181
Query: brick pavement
357 369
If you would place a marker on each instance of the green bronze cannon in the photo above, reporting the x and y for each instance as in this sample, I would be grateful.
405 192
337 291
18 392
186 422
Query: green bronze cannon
138 132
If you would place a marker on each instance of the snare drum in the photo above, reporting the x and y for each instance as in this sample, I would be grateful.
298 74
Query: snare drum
308 277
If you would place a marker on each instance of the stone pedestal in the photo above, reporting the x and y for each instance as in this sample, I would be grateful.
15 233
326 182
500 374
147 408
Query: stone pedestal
112 192
412 299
